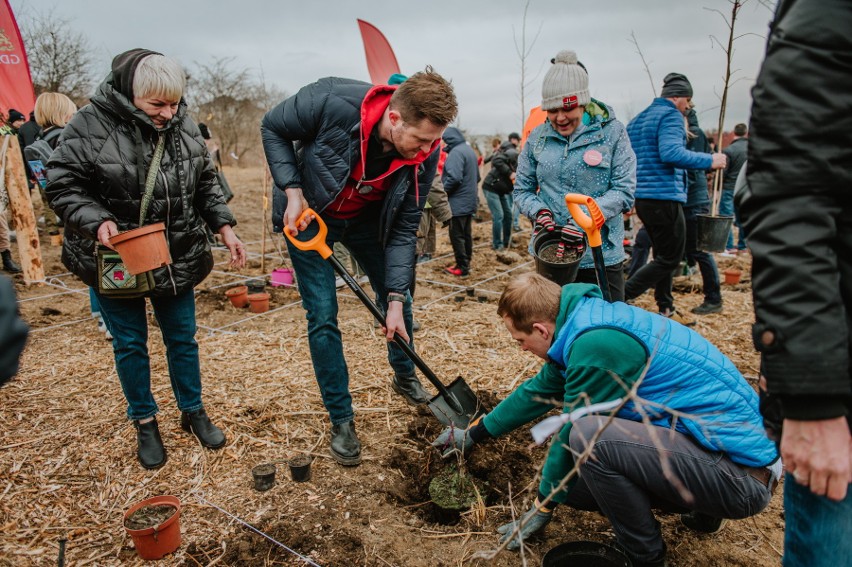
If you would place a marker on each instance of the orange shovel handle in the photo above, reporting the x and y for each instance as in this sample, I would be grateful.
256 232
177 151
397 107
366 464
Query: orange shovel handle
591 224
317 243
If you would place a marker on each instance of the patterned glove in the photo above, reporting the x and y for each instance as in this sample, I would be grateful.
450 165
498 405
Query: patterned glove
453 440
532 521
543 221
572 239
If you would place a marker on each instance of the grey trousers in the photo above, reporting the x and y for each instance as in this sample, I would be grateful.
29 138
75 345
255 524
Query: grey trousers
625 479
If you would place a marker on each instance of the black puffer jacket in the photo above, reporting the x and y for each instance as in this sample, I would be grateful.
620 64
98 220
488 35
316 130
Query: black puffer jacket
504 163
98 174
312 141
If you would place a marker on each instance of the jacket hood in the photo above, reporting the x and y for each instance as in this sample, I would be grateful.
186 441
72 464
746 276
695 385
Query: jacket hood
110 99
452 137
692 119
124 68
571 295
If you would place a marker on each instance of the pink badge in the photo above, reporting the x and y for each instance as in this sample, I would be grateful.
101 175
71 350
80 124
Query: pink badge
592 157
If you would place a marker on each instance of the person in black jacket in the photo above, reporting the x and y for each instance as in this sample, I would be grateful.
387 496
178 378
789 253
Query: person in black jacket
95 181
13 332
497 187
363 158
797 210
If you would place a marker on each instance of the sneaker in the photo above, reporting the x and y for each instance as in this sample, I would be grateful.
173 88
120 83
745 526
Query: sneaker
424 258
706 308
456 271
103 329
677 317
702 523
338 282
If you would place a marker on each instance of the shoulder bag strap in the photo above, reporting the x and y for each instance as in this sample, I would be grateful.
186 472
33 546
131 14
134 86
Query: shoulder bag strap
151 178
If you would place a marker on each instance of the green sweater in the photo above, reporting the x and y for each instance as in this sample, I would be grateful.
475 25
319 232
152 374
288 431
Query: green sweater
593 361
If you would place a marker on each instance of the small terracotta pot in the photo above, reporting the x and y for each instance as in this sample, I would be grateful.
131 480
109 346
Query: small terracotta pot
732 276
259 302
55 238
238 296
144 248
157 541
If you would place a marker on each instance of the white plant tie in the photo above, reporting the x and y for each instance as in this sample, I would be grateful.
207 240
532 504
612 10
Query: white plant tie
201 499
542 431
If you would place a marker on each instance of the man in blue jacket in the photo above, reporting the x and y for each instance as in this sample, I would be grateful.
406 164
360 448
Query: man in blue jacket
363 158
658 136
461 180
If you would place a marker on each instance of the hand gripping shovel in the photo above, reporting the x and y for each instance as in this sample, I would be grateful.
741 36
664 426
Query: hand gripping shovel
592 226
455 404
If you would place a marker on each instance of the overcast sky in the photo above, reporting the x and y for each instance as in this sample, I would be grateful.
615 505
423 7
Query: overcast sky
471 42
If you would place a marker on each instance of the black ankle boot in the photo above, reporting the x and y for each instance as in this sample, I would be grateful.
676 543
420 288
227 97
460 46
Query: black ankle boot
410 388
9 265
345 447
150 450
199 424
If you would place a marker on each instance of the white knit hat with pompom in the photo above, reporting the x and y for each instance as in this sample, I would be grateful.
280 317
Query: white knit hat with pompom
566 83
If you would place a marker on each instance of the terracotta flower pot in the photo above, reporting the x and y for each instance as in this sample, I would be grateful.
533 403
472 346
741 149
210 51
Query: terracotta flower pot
259 302
158 540
143 248
238 296
732 276
55 238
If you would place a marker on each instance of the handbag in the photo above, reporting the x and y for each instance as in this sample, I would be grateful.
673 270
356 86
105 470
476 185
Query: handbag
113 278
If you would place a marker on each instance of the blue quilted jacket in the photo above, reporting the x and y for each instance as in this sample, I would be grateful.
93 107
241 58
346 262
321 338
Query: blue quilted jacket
686 374
658 137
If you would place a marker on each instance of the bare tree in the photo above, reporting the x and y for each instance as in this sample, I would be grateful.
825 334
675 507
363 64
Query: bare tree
635 43
231 102
523 52
60 59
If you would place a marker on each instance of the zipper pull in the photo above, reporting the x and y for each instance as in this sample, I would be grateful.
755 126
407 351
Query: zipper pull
361 188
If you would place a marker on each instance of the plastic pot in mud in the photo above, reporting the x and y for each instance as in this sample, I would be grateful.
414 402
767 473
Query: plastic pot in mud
256 286
561 270
454 492
732 276
258 302
142 249
281 276
585 554
264 476
300 468
154 526
238 296
712 233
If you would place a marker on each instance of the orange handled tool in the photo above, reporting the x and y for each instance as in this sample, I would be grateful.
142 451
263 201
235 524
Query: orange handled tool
317 243
591 224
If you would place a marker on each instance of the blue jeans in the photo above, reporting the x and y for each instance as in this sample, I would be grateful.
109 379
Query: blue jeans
818 531
726 209
315 278
94 306
501 218
127 320
705 261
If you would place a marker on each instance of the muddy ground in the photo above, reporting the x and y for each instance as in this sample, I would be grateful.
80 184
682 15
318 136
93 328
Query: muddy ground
67 453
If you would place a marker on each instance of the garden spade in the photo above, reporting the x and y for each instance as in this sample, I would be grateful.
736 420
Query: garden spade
592 226
455 404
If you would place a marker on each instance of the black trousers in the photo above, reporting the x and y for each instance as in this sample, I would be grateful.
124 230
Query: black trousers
666 226
462 240
614 276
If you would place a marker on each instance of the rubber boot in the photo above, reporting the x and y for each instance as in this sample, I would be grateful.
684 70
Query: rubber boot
200 425
9 265
410 388
345 447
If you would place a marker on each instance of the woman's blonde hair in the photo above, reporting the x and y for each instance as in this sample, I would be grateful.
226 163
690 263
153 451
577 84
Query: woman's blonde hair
53 110
528 299
161 76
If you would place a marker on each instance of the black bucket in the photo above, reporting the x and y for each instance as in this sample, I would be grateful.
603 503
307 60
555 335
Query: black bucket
560 272
585 554
712 233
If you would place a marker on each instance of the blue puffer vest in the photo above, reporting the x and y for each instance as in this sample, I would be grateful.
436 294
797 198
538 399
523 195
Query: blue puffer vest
687 374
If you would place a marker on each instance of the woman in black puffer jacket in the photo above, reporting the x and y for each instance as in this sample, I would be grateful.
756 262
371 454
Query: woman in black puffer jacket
96 178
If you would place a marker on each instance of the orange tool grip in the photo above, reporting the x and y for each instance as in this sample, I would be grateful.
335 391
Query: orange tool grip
591 224
317 243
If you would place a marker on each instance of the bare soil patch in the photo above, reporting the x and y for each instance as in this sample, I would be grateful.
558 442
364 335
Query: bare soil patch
67 453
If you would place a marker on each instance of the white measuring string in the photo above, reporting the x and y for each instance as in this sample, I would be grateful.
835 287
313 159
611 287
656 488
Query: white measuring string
201 499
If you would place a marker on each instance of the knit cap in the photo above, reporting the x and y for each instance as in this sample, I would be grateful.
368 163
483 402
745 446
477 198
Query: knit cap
15 115
676 84
566 84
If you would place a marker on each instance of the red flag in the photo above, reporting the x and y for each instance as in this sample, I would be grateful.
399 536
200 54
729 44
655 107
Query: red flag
381 62
16 83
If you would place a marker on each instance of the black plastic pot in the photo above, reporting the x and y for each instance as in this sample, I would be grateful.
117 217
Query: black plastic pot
712 233
264 476
300 468
585 554
256 286
561 273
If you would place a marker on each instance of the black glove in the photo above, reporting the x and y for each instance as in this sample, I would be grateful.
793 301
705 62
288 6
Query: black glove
543 221
572 239
533 521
